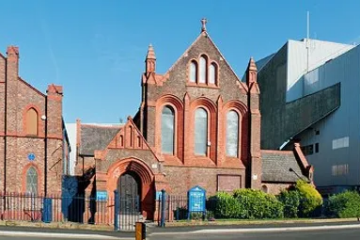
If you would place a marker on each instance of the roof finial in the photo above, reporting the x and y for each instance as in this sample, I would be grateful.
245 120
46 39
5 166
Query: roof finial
151 52
203 22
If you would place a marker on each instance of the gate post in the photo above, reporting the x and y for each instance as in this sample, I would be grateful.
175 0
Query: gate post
163 208
116 210
47 210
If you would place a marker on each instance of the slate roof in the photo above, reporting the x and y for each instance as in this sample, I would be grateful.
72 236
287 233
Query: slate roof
96 138
276 165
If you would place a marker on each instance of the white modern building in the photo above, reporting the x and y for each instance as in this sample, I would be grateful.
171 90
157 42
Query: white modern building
310 93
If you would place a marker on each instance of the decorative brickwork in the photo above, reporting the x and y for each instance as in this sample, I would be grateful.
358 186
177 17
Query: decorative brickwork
137 148
31 127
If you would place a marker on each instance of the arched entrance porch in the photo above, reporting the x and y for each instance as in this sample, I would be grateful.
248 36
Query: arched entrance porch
134 180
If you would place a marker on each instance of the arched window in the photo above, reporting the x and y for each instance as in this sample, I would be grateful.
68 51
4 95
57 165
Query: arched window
201 133
264 188
212 73
232 133
202 71
193 71
31 180
31 122
167 130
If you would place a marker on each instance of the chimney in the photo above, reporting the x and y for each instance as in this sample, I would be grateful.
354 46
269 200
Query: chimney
12 63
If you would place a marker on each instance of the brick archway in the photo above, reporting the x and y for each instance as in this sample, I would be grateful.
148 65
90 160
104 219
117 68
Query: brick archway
146 177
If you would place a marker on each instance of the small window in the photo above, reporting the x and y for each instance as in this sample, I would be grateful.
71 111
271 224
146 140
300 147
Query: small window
212 73
201 131
121 140
193 71
308 150
316 147
131 136
203 65
264 188
32 122
31 180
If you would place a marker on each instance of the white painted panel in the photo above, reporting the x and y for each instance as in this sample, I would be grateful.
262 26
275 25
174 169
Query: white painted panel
340 143
319 53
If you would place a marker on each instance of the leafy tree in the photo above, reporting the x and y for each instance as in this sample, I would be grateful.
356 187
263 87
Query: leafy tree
310 198
344 205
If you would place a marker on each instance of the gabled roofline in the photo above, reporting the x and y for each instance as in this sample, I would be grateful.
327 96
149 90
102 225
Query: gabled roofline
101 126
33 88
212 42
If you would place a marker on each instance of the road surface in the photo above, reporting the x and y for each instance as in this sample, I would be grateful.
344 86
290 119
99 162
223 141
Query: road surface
348 234
323 234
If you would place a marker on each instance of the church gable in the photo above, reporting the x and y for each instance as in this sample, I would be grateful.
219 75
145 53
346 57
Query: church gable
128 137
201 70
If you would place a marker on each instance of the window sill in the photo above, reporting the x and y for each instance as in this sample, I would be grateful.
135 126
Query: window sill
203 85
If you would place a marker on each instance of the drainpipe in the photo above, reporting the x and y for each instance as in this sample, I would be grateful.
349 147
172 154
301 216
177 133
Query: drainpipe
5 134
249 175
46 146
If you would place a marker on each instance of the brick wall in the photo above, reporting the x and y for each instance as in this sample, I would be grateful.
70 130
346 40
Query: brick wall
181 179
21 97
175 89
275 188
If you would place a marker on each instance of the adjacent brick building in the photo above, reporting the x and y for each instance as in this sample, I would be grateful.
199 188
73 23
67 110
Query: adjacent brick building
33 143
198 124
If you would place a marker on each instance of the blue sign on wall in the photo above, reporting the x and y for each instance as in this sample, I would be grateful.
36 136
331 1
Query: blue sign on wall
101 195
31 156
196 199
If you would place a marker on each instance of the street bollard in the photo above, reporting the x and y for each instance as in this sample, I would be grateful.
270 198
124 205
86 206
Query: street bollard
140 231
116 210
163 208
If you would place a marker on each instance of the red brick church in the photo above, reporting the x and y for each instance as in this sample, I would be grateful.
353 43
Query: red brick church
198 124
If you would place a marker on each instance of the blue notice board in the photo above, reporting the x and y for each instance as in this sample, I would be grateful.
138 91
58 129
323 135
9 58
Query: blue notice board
101 195
196 199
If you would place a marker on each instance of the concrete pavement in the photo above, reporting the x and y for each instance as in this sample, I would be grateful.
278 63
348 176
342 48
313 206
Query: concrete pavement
48 233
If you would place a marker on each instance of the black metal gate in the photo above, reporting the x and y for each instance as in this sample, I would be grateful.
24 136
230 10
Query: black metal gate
129 188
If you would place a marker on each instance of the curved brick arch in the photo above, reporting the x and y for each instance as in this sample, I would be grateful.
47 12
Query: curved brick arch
177 106
143 171
237 105
130 164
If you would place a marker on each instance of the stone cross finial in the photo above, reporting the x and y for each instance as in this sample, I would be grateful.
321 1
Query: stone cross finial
203 22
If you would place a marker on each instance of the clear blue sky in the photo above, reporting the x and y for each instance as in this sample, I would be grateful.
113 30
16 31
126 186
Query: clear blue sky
96 49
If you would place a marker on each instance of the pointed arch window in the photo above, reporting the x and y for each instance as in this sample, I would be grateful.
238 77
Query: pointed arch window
193 71
31 122
203 66
201 131
32 180
212 73
167 130
232 133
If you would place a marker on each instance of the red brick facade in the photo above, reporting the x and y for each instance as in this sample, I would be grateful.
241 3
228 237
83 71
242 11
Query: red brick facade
137 146
31 129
